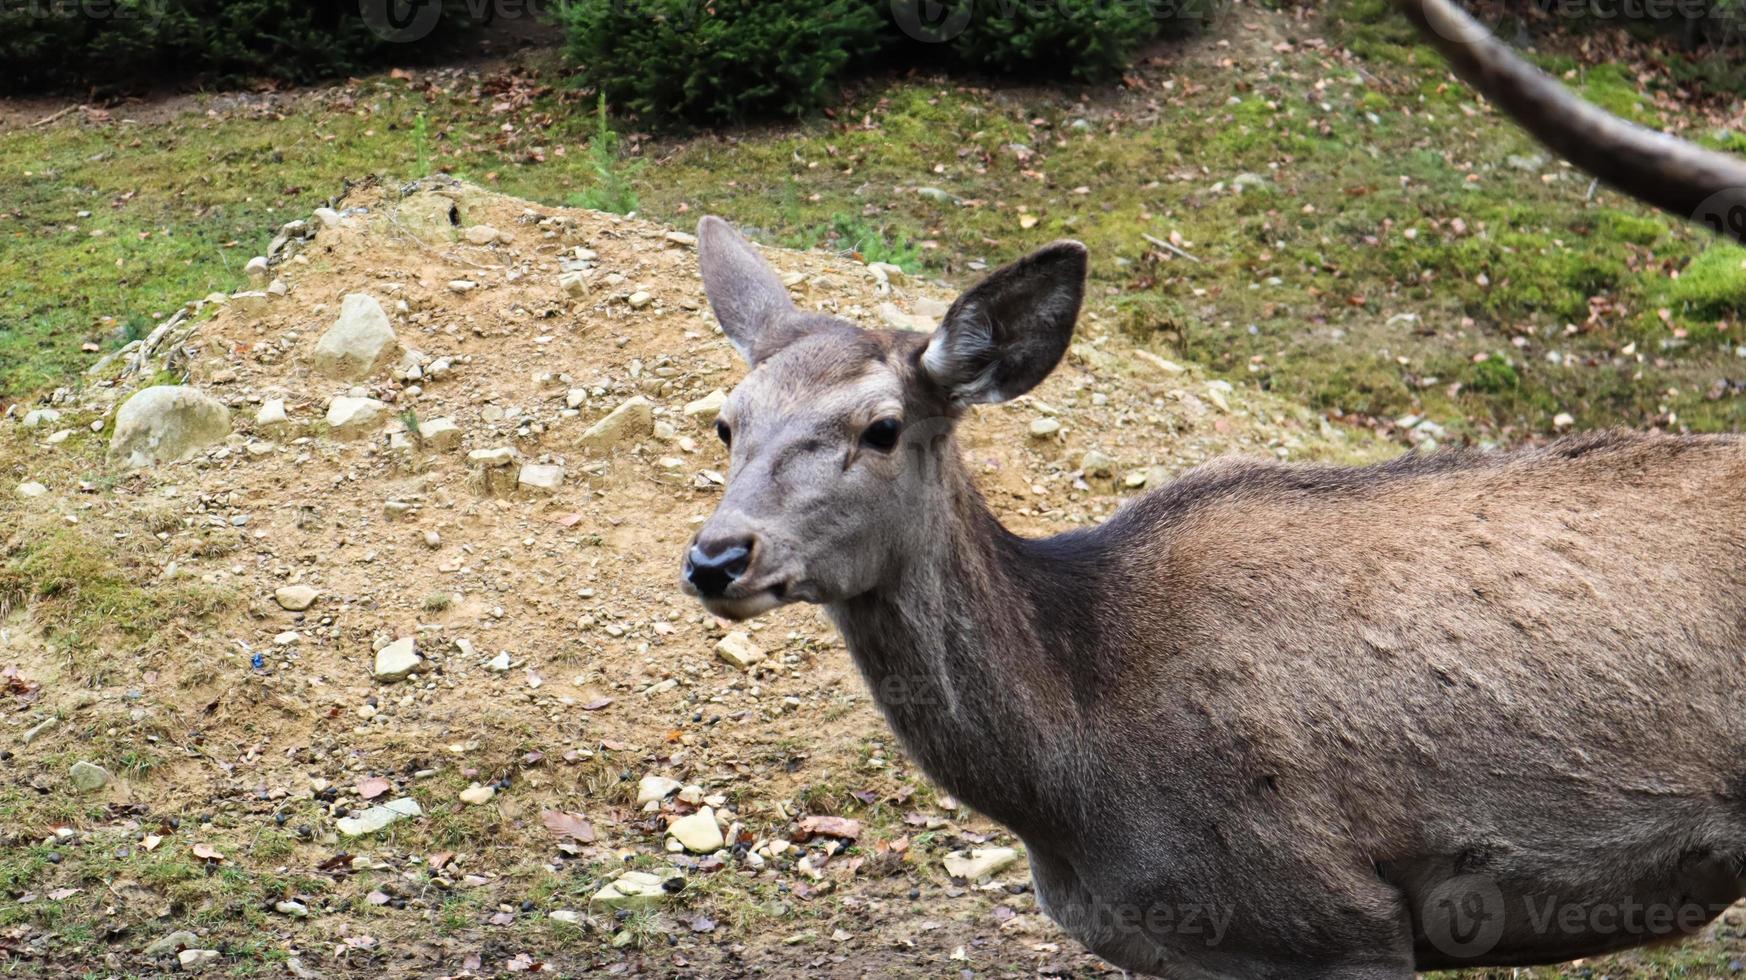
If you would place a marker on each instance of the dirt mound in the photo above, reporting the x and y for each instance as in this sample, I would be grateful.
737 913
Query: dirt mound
156 627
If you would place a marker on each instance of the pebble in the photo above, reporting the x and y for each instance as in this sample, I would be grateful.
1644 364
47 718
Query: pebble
705 409
296 598
166 945
639 299
88 777
462 285
256 268
653 789
397 660
738 649
347 415
1097 464
482 235
197 959
698 833
41 416
1045 428
441 434
297 910
636 890
31 490
272 413
378 817
633 419
476 794
541 478
974 865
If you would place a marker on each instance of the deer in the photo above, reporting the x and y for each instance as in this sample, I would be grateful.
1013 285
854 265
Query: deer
1272 720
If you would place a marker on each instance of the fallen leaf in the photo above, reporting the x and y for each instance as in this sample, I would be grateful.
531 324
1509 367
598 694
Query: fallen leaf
373 787
843 827
207 852
572 825
63 893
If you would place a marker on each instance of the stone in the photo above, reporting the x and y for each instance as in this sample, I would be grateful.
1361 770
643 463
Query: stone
894 316
178 940
249 301
1045 428
705 409
634 419
575 282
653 789
482 235
378 817
328 217
272 413
499 663
296 910
295 598
462 285
360 343
348 416
974 865
541 478
397 660
41 416
636 889
441 434
476 794
197 959
681 238
738 649
492 458
565 915
166 423
87 777
1097 464
31 490
256 268
698 833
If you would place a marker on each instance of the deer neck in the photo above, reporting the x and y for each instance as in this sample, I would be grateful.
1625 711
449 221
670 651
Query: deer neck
964 648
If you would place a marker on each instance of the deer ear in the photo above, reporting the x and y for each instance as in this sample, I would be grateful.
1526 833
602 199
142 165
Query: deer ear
743 290
1005 335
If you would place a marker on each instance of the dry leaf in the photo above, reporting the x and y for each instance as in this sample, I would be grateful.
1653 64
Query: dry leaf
571 825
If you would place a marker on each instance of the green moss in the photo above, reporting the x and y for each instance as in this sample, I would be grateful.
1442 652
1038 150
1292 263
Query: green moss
1714 284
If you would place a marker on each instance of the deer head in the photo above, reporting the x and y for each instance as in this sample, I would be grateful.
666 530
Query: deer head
840 437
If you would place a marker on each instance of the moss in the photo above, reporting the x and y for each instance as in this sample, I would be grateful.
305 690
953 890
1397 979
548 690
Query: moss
1714 284
1494 374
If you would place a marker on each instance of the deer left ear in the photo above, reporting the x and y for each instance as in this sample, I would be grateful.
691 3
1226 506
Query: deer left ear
1005 335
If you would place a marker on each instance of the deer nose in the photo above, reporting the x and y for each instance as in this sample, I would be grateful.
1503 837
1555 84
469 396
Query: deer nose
712 566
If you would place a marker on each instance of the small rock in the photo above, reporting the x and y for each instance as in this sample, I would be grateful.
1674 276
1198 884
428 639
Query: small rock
87 777
499 663
41 416
1045 428
166 423
31 490
328 217
476 794
1097 464
181 939
634 419
348 416
681 238
462 285
640 299
440 434
378 817
272 413
738 649
197 959
698 833
1563 420
636 889
397 660
541 478
482 235
492 458
359 343
256 268
977 864
295 598
705 409
296 910
653 788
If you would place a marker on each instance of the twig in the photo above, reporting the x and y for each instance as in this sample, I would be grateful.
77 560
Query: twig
1591 186
44 121
1161 243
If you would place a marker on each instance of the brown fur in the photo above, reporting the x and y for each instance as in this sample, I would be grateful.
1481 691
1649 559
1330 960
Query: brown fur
1269 721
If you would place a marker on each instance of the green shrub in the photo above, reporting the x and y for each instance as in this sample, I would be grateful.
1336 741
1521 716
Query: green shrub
721 62
48 44
612 191
1493 375
1088 40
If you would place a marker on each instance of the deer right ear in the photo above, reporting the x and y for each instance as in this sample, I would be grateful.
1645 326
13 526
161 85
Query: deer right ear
743 290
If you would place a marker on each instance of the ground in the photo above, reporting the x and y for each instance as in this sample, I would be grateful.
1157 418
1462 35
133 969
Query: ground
138 617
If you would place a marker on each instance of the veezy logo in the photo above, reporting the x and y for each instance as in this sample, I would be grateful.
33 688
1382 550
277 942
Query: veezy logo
401 21
932 21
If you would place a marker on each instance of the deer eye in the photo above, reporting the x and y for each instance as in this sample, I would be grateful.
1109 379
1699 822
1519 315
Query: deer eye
882 435
726 434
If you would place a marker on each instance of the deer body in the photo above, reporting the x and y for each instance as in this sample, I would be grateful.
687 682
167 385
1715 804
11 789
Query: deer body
1325 659
1271 721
